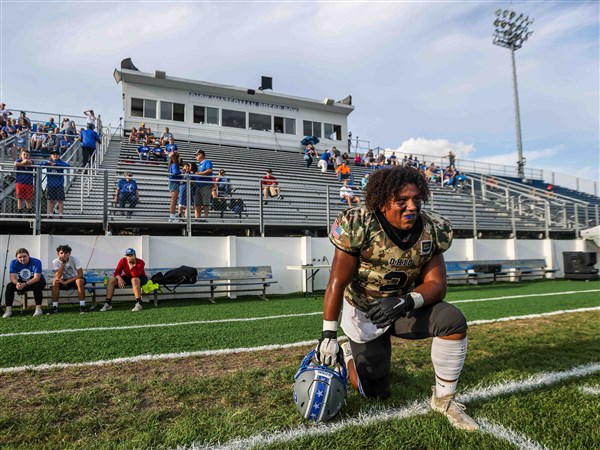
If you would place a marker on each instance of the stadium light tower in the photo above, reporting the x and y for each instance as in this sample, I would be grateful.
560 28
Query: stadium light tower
511 31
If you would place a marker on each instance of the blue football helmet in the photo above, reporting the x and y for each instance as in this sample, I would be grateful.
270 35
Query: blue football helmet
320 391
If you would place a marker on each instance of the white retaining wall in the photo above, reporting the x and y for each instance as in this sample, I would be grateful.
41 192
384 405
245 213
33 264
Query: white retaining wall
97 252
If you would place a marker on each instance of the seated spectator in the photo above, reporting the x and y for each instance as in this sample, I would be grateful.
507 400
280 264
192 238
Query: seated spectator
25 275
221 192
448 177
171 147
270 187
336 155
364 181
392 160
50 125
550 190
50 144
347 194
491 183
380 161
10 127
37 140
68 274
24 183
358 160
165 136
369 159
158 153
25 120
150 138
130 271
143 151
134 136
64 124
324 160
63 144
55 183
343 172
127 192
430 173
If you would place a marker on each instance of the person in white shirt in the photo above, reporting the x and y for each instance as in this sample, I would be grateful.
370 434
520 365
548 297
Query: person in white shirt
347 193
68 274
90 117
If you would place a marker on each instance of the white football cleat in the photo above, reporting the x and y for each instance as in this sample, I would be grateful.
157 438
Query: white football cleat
454 411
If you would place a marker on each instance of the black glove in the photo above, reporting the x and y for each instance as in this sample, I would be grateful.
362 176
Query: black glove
327 350
386 311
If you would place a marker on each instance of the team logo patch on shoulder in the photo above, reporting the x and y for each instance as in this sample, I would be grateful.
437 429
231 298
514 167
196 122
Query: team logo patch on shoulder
426 247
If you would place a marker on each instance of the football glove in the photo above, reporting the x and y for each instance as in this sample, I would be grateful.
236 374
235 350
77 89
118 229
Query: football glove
328 349
386 311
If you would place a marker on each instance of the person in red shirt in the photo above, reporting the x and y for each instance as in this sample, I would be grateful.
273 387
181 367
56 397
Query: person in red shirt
129 272
270 186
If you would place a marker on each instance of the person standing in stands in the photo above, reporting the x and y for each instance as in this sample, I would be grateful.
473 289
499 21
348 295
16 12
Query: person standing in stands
68 274
174 181
89 138
90 118
130 271
204 184
171 147
323 163
55 183
24 183
25 275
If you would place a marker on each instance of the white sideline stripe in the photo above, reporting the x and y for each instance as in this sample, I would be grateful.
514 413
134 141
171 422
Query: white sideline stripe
523 296
250 319
376 416
227 351
591 390
506 434
158 325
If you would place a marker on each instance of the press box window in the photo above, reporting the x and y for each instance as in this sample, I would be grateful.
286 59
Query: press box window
204 114
143 108
172 111
260 122
333 132
312 128
285 125
233 119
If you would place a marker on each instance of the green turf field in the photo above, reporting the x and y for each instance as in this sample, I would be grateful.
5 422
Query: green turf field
207 399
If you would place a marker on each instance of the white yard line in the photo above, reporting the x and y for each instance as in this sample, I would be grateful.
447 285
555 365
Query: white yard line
506 434
376 416
43 367
252 319
590 390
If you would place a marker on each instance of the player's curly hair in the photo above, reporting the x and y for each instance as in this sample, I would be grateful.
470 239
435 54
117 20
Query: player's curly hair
385 184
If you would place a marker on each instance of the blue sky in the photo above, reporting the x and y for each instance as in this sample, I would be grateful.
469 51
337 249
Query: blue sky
424 76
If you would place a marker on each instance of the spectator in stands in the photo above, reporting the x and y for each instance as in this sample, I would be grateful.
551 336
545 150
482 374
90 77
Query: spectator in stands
175 178
143 151
64 124
451 159
89 138
343 172
309 151
25 120
171 147
134 136
130 271
10 127
188 171
430 173
37 140
142 130
221 191
158 153
25 275
150 138
347 194
393 160
323 163
336 156
55 183
127 192
4 113
20 144
270 187
68 275
203 183
550 190
24 183
90 119
50 125
63 144
448 177
358 160
165 136
491 183
50 144
369 159
364 181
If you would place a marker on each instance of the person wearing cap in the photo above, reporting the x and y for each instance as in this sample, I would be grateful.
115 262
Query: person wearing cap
129 272
203 185
143 151
89 138
270 186
55 182
157 152
127 192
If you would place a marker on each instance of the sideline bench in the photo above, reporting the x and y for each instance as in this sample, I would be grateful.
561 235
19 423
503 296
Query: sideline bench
512 269
211 280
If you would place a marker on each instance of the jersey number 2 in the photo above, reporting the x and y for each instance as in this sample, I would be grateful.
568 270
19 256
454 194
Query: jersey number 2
396 281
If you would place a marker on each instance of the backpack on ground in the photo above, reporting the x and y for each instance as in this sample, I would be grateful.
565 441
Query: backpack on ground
178 276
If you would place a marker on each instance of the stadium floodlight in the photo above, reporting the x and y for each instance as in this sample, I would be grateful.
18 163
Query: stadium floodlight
511 32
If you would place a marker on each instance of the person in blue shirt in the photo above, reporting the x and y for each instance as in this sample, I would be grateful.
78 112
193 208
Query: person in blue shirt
89 138
158 153
143 151
171 146
64 144
55 183
25 275
324 161
175 178
50 125
204 186
127 192
188 171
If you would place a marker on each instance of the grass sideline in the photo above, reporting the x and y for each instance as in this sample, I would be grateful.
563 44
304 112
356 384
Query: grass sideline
215 399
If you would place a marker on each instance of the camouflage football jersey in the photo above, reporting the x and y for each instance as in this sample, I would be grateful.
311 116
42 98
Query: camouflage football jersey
387 265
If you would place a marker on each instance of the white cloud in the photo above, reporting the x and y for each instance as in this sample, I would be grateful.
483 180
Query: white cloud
434 148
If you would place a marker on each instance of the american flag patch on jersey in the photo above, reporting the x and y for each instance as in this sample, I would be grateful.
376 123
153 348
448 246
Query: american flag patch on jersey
336 229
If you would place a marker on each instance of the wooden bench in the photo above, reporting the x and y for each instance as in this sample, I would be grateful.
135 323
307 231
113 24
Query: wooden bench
512 269
212 280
